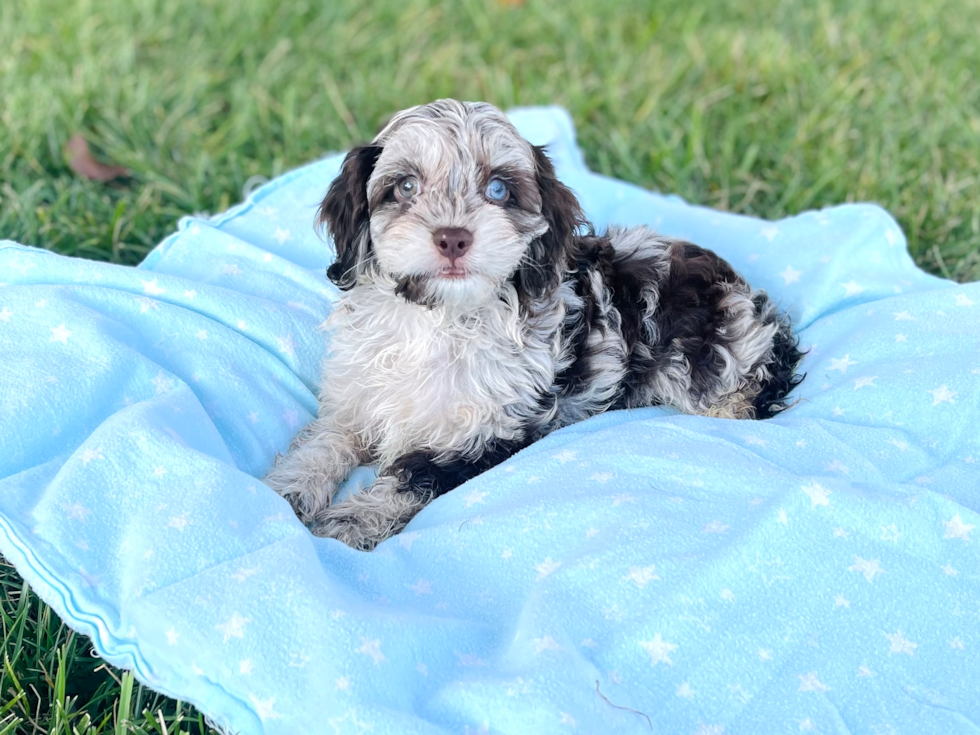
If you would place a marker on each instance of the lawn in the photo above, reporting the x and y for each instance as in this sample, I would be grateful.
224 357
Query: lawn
762 108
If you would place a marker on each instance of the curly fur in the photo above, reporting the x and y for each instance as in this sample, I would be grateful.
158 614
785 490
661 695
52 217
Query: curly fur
438 372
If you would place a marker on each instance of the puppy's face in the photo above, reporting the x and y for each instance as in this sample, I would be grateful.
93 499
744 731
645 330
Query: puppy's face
449 202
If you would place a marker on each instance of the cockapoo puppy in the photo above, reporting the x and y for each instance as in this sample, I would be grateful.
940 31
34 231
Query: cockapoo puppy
481 312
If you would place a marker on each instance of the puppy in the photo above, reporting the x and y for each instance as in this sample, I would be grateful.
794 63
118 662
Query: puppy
481 312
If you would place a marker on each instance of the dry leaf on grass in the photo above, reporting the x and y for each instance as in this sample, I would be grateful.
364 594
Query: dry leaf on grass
82 163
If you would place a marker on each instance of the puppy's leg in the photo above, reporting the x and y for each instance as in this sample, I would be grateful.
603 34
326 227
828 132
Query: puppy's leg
319 459
366 519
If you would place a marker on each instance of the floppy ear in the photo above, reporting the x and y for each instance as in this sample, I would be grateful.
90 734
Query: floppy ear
547 256
344 212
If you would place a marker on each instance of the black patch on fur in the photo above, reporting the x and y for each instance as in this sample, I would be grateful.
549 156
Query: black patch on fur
547 256
421 473
688 318
631 274
590 254
689 313
540 425
786 357
346 214
412 289
692 284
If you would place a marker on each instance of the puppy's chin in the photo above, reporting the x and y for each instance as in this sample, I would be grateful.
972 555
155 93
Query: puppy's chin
457 292
464 293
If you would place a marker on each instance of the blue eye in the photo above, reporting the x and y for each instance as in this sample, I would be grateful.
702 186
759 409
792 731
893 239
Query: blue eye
497 191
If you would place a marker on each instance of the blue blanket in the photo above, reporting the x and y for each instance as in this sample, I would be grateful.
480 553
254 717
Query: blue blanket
640 571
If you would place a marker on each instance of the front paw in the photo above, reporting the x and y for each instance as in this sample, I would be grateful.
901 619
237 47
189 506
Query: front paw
367 518
304 488
349 529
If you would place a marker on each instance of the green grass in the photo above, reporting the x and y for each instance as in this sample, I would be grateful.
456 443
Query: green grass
50 681
763 108
754 107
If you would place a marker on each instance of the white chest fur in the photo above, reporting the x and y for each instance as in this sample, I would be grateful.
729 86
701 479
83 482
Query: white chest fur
405 377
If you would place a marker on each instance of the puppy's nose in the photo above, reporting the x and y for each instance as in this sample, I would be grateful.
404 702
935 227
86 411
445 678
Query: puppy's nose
452 242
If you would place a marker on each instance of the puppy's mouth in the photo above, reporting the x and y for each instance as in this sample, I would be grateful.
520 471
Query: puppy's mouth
452 272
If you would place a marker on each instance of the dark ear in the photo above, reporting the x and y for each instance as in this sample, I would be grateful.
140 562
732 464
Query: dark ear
345 213
547 256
